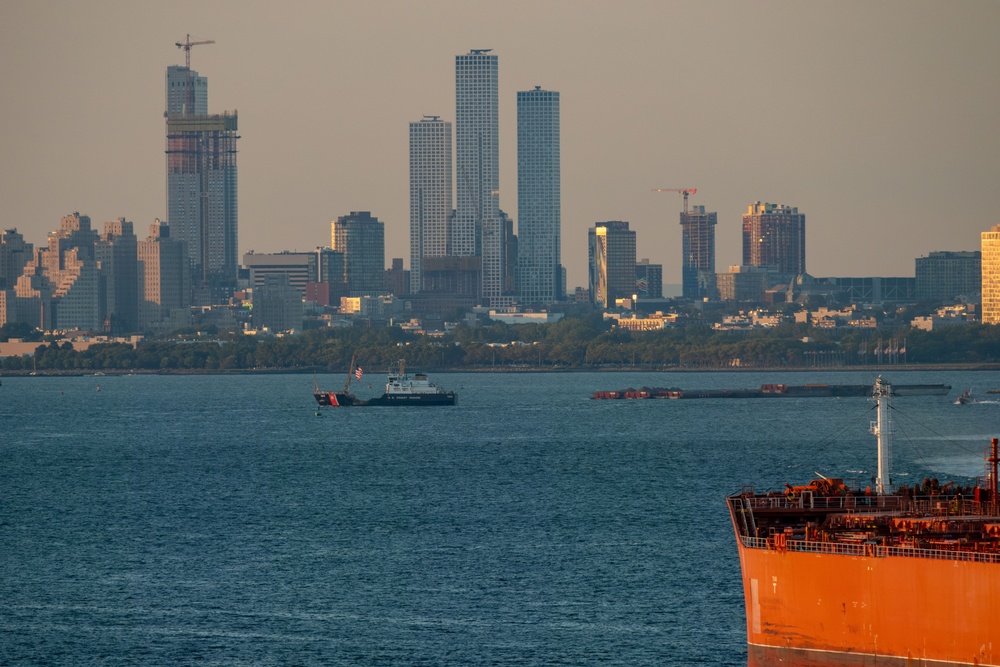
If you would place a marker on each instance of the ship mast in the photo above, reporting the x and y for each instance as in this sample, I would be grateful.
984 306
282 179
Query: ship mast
882 429
350 372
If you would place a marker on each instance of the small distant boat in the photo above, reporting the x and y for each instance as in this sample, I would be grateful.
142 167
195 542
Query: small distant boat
965 398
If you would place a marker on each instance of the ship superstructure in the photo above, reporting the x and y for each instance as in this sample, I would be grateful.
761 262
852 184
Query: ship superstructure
834 575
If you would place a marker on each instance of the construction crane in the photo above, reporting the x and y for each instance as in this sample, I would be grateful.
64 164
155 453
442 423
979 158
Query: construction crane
187 44
683 191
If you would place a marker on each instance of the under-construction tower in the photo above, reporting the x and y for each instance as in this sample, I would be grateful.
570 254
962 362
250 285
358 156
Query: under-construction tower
698 248
202 184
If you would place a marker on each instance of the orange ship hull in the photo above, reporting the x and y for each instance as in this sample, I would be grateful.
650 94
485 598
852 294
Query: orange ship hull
837 609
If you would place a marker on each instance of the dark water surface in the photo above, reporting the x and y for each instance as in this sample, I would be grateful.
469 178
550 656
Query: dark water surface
217 520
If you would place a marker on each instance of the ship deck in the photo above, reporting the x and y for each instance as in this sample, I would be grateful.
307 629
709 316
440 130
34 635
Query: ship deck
940 526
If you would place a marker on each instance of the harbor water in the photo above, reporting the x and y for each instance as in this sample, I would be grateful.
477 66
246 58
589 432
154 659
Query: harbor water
226 520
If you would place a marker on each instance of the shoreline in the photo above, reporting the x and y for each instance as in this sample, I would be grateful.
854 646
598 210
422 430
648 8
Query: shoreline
909 368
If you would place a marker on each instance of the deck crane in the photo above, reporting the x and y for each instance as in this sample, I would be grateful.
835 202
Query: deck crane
683 191
187 44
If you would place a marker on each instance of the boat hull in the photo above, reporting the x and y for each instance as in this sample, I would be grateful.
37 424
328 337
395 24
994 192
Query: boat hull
443 398
842 609
335 399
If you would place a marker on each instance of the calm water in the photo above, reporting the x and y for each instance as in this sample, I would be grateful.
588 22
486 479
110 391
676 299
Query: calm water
219 520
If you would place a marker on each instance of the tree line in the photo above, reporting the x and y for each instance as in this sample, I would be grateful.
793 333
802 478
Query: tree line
572 343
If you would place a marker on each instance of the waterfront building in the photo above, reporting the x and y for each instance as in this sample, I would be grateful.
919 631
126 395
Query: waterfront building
874 290
162 273
698 253
361 238
277 304
430 194
775 235
991 276
744 284
478 227
202 183
321 265
944 276
539 208
612 262
648 280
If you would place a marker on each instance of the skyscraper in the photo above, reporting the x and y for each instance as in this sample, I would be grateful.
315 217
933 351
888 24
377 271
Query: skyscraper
162 270
361 238
478 228
612 262
116 258
430 194
202 182
698 253
775 235
991 276
68 264
539 210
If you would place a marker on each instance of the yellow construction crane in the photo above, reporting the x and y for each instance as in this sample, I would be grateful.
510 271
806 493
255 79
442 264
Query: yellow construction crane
683 191
187 44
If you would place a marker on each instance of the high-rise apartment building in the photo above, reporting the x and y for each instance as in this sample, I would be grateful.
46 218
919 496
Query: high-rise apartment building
943 276
162 270
698 253
539 209
478 228
202 182
991 276
116 253
68 264
361 238
15 254
775 235
612 262
430 195
648 280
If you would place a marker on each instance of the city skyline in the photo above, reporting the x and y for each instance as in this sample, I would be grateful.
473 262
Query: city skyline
877 120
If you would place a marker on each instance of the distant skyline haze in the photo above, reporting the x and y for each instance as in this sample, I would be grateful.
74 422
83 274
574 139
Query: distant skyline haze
879 121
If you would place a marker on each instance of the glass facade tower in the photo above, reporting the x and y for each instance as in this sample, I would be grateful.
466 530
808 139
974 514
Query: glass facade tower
539 211
430 194
478 228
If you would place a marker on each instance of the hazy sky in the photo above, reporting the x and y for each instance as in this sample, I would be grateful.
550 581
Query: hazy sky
879 120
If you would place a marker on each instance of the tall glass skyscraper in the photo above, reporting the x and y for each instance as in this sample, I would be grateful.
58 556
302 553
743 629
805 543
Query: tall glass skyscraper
539 211
202 182
430 194
478 228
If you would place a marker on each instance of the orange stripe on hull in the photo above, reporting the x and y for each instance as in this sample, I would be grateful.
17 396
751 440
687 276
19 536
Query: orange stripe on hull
834 609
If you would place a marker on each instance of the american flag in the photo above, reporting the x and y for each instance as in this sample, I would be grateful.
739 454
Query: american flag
358 372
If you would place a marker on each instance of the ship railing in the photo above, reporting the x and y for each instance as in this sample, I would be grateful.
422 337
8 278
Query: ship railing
924 505
867 549
813 502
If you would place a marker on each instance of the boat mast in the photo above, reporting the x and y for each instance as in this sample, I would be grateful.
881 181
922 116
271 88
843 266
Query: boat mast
350 372
882 429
